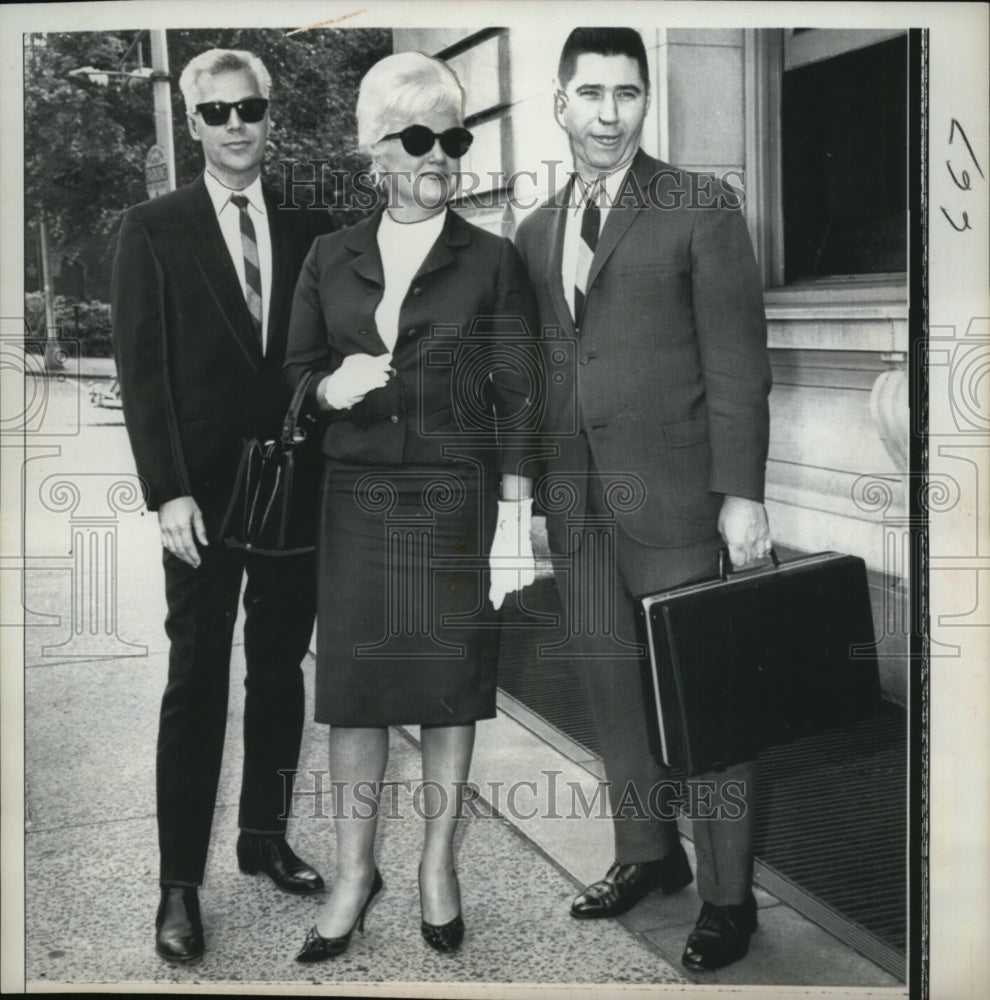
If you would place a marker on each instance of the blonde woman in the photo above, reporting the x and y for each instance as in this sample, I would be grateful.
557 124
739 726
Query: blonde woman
408 630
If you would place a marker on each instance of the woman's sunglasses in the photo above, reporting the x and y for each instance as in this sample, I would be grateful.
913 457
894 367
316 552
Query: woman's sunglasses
417 140
250 110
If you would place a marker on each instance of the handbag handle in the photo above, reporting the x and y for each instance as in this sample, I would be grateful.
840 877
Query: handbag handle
292 433
725 563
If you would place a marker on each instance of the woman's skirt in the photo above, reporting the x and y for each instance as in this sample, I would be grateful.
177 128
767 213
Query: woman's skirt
405 631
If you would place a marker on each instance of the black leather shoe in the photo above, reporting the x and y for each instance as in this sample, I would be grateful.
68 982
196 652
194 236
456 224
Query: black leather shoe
317 948
721 935
178 927
625 885
273 856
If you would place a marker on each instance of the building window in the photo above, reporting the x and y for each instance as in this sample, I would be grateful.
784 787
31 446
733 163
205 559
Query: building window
843 125
827 147
481 62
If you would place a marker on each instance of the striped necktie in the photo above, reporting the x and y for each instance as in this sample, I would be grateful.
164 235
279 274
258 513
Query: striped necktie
591 224
252 269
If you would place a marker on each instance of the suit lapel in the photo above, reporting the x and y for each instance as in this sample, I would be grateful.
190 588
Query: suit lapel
620 218
455 233
279 232
555 255
213 259
362 241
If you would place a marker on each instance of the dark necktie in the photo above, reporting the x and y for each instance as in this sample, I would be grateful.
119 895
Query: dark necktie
591 224
252 269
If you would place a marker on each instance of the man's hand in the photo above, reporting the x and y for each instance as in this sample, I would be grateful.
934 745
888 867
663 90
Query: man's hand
354 379
744 528
181 523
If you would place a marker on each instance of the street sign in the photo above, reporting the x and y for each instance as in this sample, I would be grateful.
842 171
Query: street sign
156 172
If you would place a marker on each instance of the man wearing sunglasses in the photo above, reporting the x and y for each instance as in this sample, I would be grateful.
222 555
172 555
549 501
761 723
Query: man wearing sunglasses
202 288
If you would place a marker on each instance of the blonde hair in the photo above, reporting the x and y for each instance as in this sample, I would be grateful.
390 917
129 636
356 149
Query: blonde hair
399 87
215 61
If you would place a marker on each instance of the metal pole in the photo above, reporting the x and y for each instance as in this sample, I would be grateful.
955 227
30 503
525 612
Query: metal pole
52 359
163 101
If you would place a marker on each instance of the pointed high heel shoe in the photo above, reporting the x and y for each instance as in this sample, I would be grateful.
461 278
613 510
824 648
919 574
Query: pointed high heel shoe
442 937
317 948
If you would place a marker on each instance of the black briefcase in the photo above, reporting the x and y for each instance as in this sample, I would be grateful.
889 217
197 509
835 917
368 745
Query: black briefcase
757 658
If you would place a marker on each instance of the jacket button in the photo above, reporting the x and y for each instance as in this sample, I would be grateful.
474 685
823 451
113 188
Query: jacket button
363 332
394 419
584 359
412 331
417 290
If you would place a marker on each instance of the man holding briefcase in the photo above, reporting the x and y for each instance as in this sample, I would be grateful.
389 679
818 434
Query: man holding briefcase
663 431
202 288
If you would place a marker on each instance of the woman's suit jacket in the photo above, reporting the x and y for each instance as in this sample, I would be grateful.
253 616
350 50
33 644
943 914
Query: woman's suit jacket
673 373
466 345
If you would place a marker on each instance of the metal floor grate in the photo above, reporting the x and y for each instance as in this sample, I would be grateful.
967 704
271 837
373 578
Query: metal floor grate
831 837
548 686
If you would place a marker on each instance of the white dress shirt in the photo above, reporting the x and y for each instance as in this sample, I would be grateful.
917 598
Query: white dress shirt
611 186
403 247
229 217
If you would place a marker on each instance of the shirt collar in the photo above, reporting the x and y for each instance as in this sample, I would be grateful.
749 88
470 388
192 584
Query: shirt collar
611 184
220 193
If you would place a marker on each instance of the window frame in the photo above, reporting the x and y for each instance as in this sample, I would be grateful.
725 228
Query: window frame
499 112
767 53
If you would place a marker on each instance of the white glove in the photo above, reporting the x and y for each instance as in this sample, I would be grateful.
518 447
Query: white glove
511 558
354 379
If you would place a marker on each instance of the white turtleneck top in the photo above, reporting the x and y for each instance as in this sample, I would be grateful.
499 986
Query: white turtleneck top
403 247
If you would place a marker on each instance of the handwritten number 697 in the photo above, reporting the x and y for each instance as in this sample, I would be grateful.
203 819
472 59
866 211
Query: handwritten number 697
962 180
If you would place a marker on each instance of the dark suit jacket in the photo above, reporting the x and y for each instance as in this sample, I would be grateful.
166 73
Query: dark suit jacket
469 383
673 374
193 380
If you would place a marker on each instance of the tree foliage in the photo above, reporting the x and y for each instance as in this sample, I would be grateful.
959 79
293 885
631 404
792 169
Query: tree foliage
85 144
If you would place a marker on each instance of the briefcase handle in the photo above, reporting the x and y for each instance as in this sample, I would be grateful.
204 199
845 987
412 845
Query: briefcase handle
725 563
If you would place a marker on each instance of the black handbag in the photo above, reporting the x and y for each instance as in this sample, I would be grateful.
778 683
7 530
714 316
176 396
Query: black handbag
273 509
758 658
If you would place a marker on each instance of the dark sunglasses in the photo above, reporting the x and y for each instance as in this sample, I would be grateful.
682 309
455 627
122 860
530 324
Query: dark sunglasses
250 110
417 140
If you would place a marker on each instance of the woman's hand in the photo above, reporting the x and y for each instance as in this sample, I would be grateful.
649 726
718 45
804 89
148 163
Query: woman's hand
511 558
353 380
